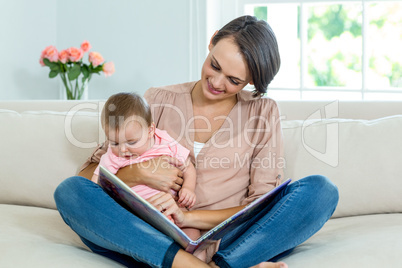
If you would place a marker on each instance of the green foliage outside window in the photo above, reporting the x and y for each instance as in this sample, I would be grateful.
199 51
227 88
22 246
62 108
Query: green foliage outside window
333 23
261 12
334 44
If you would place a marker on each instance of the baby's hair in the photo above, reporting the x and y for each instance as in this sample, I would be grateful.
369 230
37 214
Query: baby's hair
121 106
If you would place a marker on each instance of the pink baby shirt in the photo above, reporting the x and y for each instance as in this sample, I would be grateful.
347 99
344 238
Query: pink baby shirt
164 145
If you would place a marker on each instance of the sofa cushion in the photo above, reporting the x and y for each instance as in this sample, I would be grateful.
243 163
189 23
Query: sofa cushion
38 237
362 157
40 149
362 241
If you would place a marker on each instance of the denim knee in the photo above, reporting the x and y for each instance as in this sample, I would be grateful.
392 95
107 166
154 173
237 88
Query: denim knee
61 189
97 218
324 189
328 189
65 188
304 207
69 190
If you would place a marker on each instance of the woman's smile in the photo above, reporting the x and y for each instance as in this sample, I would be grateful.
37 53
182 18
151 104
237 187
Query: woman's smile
213 90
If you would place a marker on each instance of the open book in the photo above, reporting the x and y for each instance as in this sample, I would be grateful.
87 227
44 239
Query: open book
123 194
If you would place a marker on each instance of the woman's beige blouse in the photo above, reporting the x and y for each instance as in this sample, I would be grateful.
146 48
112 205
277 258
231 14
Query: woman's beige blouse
240 162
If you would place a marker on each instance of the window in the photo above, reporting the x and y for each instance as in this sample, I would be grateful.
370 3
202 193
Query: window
346 50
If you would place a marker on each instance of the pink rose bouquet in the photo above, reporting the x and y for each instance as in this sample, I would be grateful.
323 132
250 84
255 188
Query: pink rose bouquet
75 74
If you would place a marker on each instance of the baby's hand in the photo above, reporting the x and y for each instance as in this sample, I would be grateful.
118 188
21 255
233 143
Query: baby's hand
186 198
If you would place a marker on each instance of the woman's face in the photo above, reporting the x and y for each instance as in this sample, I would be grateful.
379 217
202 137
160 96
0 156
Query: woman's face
224 72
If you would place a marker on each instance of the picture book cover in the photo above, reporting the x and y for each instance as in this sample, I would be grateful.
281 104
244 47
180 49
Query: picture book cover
125 196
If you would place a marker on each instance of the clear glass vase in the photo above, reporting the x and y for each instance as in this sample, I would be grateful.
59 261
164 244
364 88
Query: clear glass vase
76 89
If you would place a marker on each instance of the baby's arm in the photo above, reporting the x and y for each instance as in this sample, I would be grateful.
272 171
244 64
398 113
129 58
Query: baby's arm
187 192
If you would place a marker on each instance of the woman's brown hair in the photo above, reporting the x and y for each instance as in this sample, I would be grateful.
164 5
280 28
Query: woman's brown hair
258 45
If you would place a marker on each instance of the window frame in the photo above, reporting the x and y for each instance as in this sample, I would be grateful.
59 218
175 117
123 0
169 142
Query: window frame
240 10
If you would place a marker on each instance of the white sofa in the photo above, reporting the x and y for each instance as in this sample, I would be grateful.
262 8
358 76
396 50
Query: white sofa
357 145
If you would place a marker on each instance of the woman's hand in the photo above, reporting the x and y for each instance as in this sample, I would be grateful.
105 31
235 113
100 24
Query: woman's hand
165 203
162 173
199 219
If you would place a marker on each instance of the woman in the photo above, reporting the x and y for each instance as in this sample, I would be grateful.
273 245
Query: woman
235 140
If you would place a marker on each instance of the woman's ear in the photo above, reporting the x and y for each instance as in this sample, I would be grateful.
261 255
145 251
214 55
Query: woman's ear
151 130
210 42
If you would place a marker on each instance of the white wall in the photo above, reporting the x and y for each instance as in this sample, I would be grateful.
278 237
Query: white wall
152 43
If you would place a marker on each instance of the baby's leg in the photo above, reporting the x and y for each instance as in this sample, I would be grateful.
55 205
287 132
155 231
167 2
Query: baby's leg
194 234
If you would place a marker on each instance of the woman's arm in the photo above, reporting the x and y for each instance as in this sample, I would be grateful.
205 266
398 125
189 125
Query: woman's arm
159 173
162 173
199 219
88 171
267 161
208 219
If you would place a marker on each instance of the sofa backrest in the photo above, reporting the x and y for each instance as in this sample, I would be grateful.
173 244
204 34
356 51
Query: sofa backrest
362 157
40 149
366 110
291 110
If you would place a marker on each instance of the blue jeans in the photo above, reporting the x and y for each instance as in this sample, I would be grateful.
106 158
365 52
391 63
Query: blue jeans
110 230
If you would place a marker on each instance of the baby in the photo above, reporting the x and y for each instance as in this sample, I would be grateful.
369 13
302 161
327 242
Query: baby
133 138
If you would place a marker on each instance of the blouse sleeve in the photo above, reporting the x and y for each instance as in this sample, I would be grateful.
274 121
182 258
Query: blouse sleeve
96 155
266 169
158 99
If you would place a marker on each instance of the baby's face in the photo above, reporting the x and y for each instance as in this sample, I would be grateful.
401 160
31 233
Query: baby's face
131 140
